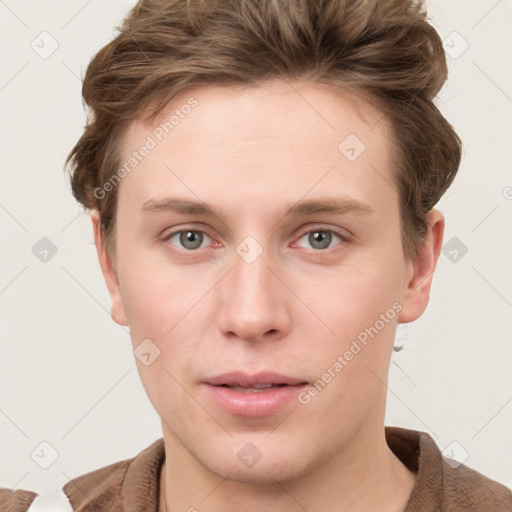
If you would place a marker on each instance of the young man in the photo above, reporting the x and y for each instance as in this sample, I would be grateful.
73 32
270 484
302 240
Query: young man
262 177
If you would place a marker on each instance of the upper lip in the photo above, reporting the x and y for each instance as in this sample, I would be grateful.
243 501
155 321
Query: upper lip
246 380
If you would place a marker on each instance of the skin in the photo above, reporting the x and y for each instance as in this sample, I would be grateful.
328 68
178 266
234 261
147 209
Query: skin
249 152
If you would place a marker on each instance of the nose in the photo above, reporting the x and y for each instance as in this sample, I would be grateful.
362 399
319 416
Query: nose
253 303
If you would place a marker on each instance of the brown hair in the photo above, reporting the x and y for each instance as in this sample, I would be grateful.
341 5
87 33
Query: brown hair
384 50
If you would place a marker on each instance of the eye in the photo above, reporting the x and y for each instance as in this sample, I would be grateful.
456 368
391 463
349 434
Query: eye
321 239
189 239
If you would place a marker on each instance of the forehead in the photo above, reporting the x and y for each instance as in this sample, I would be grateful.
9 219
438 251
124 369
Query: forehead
288 111
249 137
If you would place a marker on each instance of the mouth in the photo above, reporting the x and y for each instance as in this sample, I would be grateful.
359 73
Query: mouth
255 395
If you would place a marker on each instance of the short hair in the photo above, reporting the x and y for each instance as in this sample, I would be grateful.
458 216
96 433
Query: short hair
385 51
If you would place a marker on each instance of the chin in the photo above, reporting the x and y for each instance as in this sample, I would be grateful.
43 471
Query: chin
260 474
280 461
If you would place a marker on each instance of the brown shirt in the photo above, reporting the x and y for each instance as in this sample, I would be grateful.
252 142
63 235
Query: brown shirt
132 485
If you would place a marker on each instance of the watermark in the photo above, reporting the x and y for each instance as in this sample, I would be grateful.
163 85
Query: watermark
356 346
249 454
249 249
146 352
44 455
455 45
454 249
44 45
44 250
351 147
151 142
455 454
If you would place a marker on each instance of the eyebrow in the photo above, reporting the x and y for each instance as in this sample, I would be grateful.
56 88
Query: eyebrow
302 208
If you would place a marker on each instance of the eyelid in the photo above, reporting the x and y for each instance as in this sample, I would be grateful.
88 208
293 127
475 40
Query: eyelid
338 232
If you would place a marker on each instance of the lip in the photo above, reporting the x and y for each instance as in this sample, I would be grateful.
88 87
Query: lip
257 404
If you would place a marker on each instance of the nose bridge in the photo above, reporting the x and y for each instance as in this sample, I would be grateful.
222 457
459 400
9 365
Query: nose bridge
250 278
251 305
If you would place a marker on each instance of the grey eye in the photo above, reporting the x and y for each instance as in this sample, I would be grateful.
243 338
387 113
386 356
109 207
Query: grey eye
320 238
188 239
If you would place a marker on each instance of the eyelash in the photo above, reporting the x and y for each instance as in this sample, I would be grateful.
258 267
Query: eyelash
343 238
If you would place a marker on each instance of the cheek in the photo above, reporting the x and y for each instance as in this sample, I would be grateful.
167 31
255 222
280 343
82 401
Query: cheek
160 307
350 365
154 298
360 306
352 298
169 306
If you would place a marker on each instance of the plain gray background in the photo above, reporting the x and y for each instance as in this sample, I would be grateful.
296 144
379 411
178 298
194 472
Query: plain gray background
67 373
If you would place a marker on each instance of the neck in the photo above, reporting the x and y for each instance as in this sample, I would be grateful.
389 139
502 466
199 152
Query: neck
364 476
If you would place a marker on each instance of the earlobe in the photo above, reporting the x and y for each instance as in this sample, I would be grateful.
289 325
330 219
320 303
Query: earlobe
417 292
109 272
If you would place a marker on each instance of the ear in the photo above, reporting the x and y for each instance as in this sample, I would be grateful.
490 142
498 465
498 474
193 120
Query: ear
421 270
109 272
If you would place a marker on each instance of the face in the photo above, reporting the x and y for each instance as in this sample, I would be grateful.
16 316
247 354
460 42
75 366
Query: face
261 233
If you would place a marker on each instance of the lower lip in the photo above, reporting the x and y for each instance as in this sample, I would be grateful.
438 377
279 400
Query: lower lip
261 403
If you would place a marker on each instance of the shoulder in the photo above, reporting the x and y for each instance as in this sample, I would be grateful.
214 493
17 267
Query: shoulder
442 483
472 491
15 501
97 487
130 480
